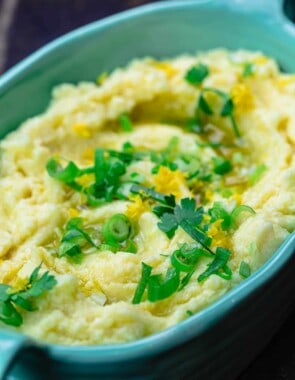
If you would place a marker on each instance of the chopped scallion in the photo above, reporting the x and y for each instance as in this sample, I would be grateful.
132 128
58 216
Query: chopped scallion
245 269
146 271
117 229
126 123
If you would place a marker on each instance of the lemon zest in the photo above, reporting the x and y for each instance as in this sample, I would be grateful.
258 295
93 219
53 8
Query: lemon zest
85 180
73 212
261 60
242 97
136 208
88 155
237 198
166 67
169 182
284 81
82 130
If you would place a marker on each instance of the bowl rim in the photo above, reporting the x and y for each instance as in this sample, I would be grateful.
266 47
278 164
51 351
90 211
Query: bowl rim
273 9
200 322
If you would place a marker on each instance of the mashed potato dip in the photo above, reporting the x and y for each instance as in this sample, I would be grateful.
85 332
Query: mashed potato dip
135 202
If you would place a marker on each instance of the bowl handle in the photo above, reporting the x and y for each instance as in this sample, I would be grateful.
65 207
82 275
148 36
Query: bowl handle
10 347
279 11
16 353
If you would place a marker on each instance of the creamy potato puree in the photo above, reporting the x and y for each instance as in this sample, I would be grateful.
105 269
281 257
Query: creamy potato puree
92 301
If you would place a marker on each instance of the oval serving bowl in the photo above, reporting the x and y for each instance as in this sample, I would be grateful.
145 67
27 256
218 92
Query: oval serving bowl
220 341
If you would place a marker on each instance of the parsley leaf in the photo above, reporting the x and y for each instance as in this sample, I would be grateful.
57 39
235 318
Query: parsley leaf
187 211
168 224
186 216
197 74
248 69
204 105
257 174
11 301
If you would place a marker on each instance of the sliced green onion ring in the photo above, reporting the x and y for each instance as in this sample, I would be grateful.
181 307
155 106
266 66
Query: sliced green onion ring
245 269
159 288
237 211
182 262
117 229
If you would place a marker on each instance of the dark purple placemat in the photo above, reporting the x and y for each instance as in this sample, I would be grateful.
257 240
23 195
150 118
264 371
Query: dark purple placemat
26 25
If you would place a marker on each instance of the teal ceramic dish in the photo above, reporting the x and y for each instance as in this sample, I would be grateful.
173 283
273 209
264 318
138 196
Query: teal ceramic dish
220 341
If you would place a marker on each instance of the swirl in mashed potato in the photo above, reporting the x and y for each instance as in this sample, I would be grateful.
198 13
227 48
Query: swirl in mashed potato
185 149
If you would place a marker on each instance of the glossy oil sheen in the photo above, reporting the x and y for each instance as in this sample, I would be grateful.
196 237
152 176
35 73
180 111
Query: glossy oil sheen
220 341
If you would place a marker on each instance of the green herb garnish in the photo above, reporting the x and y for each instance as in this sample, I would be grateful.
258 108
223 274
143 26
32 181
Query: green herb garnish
183 260
126 123
197 74
226 110
186 257
12 301
74 239
245 269
167 200
256 175
236 214
186 216
160 288
221 165
218 266
109 166
166 157
248 69
67 175
146 271
117 229
229 219
218 212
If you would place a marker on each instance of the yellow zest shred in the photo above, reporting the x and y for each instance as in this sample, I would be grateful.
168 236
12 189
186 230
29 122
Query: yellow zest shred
82 130
261 60
169 182
237 198
215 228
136 208
58 121
88 155
166 67
73 212
242 97
85 180
209 195
284 81
220 238
19 284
